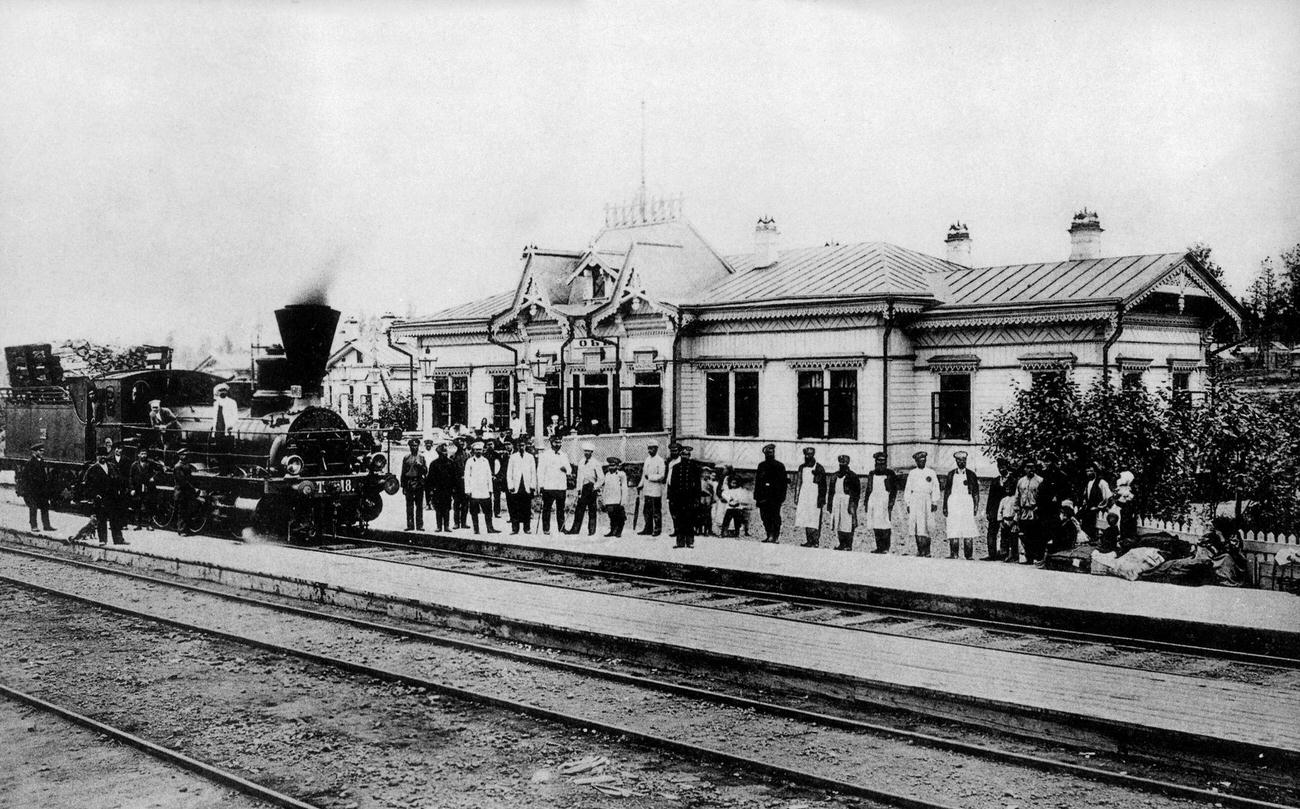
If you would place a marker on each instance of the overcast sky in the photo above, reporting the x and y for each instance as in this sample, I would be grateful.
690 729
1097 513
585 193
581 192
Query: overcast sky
184 167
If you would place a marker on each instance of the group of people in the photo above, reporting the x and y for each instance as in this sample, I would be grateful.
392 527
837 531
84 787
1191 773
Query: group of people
1029 512
119 489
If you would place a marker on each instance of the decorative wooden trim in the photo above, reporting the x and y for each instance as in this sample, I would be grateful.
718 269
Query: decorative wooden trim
1000 316
1182 364
954 364
447 370
827 363
1130 364
1047 361
737 364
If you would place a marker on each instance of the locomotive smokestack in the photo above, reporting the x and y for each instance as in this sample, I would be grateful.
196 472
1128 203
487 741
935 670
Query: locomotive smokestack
307 331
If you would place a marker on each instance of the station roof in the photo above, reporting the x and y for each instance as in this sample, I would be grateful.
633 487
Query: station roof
830 271
481 309
1116 278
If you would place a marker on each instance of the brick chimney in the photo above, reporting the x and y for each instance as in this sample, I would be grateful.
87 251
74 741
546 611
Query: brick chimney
958 241
766 237
1085 236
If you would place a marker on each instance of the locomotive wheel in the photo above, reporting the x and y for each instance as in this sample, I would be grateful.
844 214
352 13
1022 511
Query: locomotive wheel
162 513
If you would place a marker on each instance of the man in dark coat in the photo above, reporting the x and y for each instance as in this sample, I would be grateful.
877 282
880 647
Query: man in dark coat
142 482
105 487
186 494
770 485
1002 486
441 482
459 496
879 494
1051 492
34 483
844 490
412 479
684 486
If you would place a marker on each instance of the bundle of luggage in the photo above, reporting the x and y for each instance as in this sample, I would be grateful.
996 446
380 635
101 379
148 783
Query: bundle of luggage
1160 557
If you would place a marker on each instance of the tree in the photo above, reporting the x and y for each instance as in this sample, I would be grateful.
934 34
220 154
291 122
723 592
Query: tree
397 410
1202 252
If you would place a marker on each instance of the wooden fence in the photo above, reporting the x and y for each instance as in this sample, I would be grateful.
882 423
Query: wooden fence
1261 548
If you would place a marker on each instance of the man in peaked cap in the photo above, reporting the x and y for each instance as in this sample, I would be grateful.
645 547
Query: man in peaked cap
553 479
479 473
880 491
684 486
104 489
961 497
654 471
921 495
440 482
613 494
414 471
771 483
34 484
589 480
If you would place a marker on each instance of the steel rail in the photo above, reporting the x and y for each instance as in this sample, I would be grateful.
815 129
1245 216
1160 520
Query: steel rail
208 771
830 720
1064 635
692 751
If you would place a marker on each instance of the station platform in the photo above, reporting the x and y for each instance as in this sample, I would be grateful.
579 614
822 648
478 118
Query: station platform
1257 621
1089 704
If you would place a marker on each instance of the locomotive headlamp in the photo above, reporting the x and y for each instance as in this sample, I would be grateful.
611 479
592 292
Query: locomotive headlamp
306 488
378 462
293 465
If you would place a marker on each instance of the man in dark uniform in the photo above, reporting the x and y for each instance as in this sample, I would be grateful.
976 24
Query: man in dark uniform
770 485
34 482
441 482
461 499
185 493
142 481
683 491
413 474
104 488
1051 492
1002 486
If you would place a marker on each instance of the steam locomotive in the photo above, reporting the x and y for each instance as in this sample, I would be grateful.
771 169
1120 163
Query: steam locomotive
288 468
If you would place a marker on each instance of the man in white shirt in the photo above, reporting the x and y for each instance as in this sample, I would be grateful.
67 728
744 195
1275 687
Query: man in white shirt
225 415
922 498
478 487
613 493
589 478
521 484
553 478
653 474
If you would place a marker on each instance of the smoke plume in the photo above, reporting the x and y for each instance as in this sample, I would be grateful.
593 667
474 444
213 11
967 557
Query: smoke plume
316 288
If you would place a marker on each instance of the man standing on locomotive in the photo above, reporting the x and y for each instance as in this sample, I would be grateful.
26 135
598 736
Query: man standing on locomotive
413 474
161 419
33 483
225 415
478 487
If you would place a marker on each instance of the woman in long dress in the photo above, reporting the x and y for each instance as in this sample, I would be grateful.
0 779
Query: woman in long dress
811 498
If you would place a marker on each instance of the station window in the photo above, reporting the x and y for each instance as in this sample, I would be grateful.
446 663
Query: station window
731 403
1053 378
1131 380
950 408
500 401
647 403
450 400
828 404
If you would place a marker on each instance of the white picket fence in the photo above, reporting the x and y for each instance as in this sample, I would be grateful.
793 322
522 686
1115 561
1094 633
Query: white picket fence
1260 547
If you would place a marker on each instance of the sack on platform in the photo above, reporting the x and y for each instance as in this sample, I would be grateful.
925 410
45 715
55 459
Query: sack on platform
1138 561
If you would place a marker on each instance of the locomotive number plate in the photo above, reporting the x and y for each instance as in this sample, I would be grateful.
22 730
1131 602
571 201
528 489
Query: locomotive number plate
344 486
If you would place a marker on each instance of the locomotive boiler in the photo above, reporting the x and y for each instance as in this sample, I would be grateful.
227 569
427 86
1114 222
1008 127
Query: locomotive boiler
286 467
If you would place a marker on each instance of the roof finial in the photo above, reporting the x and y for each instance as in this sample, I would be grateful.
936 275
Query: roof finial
641 194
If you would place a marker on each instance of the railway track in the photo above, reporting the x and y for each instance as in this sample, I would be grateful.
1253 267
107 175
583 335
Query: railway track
205 770
701 698
1109 650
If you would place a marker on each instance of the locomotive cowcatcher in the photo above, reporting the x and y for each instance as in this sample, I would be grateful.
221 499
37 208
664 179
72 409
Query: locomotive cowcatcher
287 467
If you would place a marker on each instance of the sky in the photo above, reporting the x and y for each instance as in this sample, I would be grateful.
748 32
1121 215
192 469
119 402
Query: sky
173 170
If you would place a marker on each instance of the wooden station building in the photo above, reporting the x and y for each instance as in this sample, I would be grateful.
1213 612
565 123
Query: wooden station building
650 333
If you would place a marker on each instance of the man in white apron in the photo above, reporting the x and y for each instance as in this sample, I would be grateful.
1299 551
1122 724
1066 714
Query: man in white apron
960 498
922 498
845 491
882 492
812 498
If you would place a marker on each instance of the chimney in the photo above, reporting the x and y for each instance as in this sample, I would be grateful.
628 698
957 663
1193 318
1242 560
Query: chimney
958 242
307 331
766 237
1085 236
350 330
